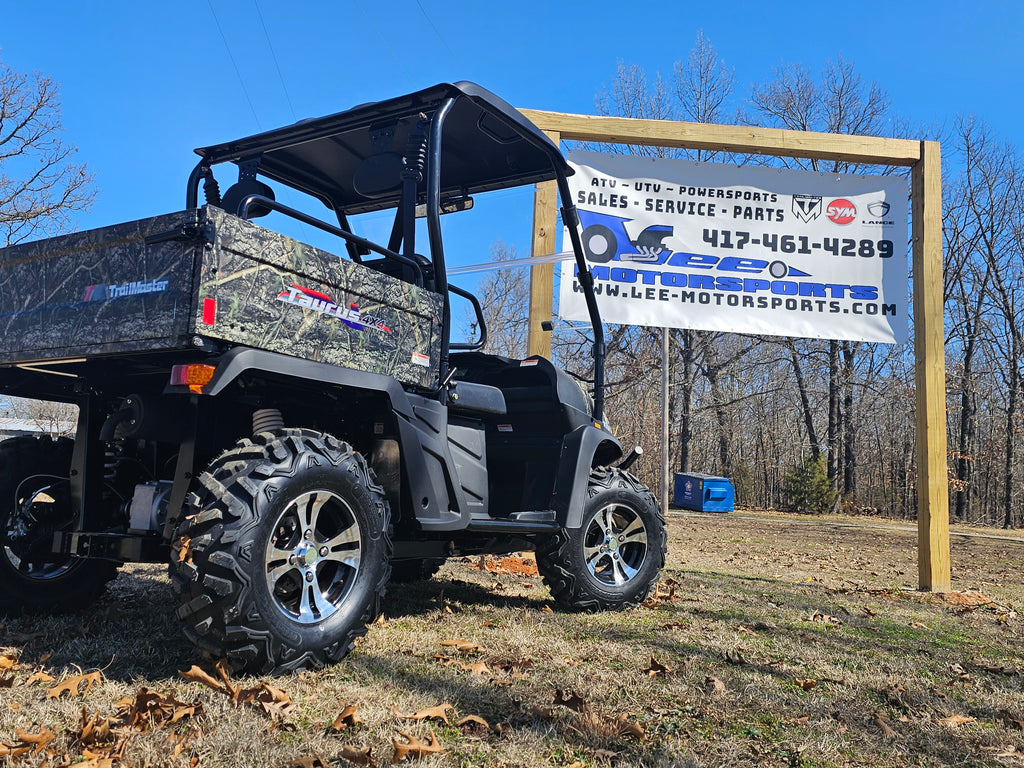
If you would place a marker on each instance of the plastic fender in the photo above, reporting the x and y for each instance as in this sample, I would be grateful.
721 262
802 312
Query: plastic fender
580 449
421 429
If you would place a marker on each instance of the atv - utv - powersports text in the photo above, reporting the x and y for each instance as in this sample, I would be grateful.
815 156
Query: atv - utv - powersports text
292 429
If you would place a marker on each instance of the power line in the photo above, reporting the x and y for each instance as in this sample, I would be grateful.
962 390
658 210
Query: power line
384 42
234 64
438 33
273 55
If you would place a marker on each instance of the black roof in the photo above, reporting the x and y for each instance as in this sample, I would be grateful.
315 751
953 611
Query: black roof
487 144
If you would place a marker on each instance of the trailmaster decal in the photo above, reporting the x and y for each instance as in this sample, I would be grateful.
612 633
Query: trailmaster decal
752 250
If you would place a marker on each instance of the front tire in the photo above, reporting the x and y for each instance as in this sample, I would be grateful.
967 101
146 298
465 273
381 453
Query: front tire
614 558
35 503
284 557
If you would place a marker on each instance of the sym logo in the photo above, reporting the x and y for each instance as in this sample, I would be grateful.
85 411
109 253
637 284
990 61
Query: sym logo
841 211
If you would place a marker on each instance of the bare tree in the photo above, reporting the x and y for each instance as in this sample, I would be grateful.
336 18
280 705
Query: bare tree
505 298
703 84
41 187
43 417
836 101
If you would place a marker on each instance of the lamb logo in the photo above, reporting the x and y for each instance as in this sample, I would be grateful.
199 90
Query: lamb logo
807 207
841 211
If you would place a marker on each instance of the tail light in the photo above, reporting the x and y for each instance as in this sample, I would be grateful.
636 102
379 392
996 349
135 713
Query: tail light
195 376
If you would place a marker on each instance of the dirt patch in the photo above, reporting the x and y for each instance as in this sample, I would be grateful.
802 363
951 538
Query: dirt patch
515 565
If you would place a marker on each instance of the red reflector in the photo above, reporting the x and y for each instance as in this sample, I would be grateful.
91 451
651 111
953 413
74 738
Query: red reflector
209 311
194 376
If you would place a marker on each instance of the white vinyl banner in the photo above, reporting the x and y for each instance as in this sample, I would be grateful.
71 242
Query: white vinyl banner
768 251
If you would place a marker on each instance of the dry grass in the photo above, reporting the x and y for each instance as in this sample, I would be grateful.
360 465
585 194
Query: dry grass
772 642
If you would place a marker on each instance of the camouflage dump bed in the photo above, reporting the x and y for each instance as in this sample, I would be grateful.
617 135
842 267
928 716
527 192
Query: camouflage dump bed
158 283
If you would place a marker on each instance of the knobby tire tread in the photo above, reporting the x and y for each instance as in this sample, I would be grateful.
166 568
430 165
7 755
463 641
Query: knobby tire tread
564 570
216 606
19 458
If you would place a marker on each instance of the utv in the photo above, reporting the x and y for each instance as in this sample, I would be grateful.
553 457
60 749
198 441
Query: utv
292 429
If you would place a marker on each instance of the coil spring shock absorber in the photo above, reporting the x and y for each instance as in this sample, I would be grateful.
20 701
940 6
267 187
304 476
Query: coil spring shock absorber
113 453
211 189
266 420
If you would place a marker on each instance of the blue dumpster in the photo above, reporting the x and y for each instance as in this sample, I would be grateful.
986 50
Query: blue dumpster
703 493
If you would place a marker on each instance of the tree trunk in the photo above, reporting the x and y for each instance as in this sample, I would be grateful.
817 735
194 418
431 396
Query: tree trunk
712 371
833 416
805 403
849 428
1011 420
685 394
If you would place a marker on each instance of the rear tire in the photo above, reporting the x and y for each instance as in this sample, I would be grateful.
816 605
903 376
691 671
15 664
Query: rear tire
35 503
613 560
284 557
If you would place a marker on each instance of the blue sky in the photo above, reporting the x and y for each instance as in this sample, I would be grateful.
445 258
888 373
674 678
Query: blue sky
143 83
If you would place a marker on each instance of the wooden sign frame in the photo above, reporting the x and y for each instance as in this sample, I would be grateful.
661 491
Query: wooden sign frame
922 157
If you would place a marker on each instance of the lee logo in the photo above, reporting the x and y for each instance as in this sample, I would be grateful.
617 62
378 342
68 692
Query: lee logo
841 211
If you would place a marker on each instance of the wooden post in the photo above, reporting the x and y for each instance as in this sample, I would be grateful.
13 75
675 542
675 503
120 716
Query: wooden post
930 372
542 276
665 471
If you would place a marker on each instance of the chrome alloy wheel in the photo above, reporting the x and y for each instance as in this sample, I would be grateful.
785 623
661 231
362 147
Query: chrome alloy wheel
313 557
615 545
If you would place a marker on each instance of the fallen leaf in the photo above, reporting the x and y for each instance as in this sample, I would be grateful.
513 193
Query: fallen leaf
224 672
735 656
306 762
883 722
656 668
197 675
432 713
184 550
714 685
357 755
347 719
823 618
569 699
40 677
463 645
472 725
71 685
546 609
37 740
627 728
955 721
416 748
7 661
806 683
477 669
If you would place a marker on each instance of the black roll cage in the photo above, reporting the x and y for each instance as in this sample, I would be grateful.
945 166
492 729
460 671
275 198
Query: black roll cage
431 107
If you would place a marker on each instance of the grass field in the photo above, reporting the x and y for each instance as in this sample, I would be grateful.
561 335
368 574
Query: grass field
771 641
